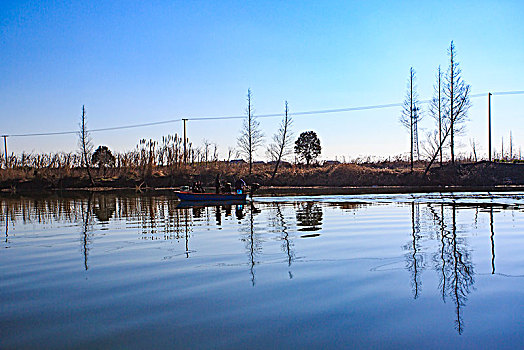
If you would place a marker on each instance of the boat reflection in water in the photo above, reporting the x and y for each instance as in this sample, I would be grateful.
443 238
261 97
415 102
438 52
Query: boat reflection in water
444 243
208 203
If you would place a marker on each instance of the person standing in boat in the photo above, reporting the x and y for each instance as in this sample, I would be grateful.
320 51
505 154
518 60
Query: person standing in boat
239 186
217 183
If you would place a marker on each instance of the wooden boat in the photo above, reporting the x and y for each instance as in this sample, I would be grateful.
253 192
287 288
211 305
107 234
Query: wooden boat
211 197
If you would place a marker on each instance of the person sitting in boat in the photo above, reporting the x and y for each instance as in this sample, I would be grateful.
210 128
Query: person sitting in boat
197 187
200 188
227 187
239 186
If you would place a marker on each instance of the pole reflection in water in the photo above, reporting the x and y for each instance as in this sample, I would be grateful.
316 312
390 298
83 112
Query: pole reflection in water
6 222
186 235
492 237
183 226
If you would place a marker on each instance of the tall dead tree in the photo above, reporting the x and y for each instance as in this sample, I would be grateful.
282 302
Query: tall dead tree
282 141
456 93
251 137
502 147
85 144
435 108
461 105
410 112
473 145
456 104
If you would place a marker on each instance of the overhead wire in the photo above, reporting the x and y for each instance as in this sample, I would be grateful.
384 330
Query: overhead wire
272 115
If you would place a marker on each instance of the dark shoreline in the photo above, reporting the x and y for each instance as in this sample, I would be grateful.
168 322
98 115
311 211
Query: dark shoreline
278 191
320 190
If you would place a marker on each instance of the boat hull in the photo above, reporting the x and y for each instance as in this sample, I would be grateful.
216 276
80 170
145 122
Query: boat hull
210 197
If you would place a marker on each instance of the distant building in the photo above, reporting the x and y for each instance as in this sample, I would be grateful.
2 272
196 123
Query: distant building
283 163
237 161
331 162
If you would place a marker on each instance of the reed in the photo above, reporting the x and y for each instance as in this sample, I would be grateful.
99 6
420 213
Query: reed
161 164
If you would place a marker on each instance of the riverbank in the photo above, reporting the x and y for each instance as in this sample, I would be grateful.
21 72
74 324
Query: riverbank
333 179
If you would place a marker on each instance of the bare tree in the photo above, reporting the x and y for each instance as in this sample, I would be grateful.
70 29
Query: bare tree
85 144
215 152
231 153
473 144
460 105
435 108
456 93
431 144
282 141
205 150
410 116
502 147
251 137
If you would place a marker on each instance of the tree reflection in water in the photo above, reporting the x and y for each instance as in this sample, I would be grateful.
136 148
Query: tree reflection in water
250 237
415 258
309 216
278 222
86 228
104 207
453 263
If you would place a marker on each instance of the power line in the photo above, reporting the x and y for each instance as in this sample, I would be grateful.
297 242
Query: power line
96 130
138 125
322 111
508 93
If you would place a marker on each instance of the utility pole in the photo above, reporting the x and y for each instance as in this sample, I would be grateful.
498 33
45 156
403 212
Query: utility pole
415 132
5 148
439 117
489 126
185 141
411 112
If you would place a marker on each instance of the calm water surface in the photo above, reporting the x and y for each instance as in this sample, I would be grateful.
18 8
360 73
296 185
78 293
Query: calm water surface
395 271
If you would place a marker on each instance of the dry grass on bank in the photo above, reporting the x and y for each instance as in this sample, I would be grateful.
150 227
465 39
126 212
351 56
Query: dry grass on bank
375 174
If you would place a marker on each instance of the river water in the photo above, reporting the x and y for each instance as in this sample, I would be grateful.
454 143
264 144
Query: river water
391 271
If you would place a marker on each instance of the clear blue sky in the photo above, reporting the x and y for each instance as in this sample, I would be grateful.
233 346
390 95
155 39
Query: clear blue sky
135 62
